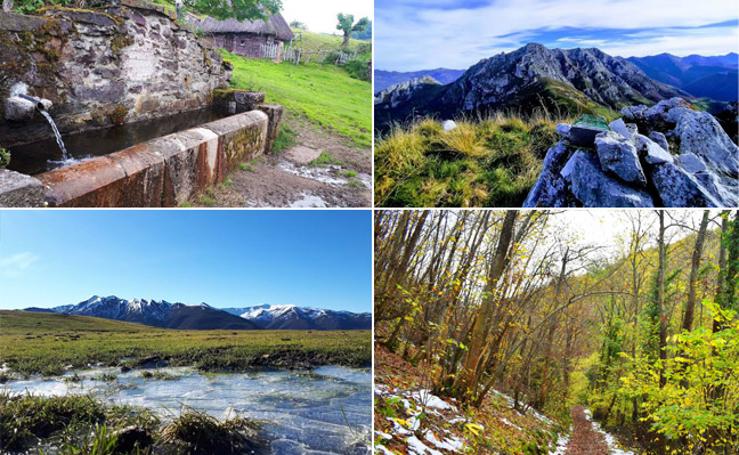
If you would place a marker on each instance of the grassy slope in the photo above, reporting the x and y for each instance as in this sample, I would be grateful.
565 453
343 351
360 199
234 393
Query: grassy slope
325 94
504 430
493 162
315 42
46 343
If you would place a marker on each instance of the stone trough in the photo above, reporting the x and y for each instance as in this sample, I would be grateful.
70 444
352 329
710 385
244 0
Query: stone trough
162 172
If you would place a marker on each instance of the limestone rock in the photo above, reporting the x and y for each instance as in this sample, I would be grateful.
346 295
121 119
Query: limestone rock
691 163
19 109
701 134
18 190
618 156
660 139
593 188
652 152
677 188
627 131
550 190
563 130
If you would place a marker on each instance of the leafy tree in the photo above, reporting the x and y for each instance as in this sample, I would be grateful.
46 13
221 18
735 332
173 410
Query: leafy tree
298 25
347 26
364 35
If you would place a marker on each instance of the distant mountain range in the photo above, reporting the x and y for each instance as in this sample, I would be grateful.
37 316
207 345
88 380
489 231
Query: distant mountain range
533 77
281 317
204 317
710 77
561 81
386 79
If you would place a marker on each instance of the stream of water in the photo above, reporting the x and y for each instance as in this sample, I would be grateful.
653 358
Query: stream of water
57 134
327 410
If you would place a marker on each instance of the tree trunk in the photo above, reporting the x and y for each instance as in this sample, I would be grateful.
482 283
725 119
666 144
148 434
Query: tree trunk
694 267
729 270
661 298
465 387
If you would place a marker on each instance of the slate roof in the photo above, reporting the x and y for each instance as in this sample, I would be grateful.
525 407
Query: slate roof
274 25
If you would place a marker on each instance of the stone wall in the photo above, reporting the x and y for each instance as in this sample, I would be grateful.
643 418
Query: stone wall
246 44
128 63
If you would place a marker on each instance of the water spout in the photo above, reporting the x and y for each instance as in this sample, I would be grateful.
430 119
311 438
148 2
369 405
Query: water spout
21 106
59 141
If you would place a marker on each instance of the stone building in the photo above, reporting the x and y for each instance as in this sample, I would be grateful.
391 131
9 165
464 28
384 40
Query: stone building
255 39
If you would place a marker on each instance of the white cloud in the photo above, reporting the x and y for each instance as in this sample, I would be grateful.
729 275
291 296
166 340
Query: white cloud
320 16
412 38
12 266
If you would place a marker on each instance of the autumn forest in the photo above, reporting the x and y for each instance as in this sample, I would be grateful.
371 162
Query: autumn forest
557 332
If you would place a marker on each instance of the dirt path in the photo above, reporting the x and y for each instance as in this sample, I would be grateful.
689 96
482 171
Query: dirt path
289 180
585 440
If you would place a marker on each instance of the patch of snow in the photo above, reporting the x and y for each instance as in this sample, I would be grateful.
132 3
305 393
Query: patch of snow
382 449
510 424
309 201
511 401
319 174
562 441
428 399
613 447
398 428
541 417
446 444
415 446
383 435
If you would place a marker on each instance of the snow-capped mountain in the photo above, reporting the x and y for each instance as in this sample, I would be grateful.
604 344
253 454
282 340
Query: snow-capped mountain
155 313
291 317
204 317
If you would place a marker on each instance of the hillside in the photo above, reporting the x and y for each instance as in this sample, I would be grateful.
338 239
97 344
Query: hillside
408 417
31 345
632 333
505 160
310 90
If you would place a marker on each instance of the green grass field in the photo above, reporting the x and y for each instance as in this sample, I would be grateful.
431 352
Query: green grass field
42 343
316 42
325 94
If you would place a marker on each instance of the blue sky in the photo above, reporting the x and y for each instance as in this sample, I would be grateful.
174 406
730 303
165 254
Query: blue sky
424 34
224 258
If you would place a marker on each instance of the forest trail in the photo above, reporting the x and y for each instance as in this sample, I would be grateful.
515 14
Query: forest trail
585 440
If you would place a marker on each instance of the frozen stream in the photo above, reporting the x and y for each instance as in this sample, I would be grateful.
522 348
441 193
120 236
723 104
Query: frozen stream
327 410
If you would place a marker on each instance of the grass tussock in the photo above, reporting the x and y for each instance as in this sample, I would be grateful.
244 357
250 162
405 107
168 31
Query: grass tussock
82 425
196 433
490 162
